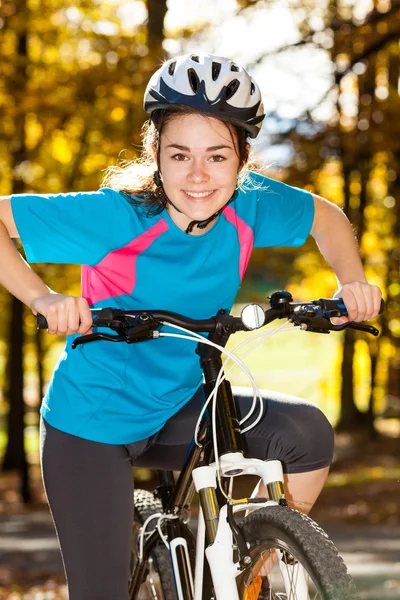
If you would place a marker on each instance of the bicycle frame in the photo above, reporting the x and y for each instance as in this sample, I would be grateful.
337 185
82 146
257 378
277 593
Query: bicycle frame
216 528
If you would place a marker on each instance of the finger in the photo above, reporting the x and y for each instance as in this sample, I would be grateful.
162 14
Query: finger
359 292
51 318
350 302
369 302
377 297
72 318
62 318
85 316
339 320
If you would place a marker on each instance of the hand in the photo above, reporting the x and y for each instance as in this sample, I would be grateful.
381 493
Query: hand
65 315
363 301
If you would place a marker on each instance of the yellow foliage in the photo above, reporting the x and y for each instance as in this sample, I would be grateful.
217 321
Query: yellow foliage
122 92
33 131
93 163
50 55
354 202
35 48
370 243
377 188
394 289
92 59
362 374
118 113
60 149
329 181
394 326
355 187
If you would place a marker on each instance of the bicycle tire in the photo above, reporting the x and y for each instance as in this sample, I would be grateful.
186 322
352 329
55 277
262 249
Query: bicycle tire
303 543
159 581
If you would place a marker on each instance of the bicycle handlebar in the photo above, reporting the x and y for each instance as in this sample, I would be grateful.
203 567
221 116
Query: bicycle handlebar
139 325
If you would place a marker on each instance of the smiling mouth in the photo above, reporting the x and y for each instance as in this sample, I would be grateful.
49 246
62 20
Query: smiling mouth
205 194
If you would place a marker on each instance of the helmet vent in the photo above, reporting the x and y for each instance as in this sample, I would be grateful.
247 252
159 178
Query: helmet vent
171 68
193 80
216 70
234 67
252 89
232 88
195 58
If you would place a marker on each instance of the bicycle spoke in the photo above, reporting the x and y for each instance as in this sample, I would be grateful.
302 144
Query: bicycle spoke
277 575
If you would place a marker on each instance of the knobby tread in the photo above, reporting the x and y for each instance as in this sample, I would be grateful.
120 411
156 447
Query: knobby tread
146 505
308 542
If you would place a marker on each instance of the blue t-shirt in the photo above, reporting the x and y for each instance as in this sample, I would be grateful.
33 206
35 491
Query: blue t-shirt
120 393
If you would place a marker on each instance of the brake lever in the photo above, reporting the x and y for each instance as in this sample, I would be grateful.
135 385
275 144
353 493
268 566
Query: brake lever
92 337
358 326
311 318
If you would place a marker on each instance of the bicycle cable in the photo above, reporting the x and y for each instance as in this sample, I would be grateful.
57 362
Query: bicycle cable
161 517
196 337
213 395
221 376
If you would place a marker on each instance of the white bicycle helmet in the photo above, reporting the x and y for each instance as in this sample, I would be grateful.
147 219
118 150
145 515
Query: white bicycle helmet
208 83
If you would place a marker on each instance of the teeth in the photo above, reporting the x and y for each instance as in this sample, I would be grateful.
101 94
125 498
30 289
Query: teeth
199 194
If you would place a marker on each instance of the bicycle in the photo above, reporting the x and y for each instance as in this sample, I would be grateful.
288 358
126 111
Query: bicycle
275 552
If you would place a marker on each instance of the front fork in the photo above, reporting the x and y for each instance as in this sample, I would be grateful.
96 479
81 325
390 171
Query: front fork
218 528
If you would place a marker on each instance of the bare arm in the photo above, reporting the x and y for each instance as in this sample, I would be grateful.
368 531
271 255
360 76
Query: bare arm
65 314
336 240
15 273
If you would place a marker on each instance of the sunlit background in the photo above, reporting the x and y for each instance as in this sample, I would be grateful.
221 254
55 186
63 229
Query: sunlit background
72 77
71 85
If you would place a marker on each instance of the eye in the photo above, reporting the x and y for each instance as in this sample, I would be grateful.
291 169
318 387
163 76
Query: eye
179 157
217 158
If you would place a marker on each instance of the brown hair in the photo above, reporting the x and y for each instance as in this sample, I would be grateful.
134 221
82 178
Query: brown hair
135 178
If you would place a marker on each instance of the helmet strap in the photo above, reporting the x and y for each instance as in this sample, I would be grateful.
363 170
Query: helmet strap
202 224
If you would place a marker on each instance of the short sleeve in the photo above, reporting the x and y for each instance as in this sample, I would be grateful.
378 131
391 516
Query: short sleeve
73 228
284 215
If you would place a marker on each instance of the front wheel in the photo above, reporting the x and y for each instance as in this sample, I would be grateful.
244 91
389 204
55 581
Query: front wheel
157 581
292 559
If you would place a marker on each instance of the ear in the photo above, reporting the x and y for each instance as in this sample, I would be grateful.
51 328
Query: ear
247 148
154 152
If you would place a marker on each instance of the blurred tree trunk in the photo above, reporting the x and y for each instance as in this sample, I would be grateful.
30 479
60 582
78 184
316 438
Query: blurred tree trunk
157 9
15 456
350 415
373 346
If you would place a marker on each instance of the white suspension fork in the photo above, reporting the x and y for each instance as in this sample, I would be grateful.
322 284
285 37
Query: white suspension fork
220 552
200 547
173 545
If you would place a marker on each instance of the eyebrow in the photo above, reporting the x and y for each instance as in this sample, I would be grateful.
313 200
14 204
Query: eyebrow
210 149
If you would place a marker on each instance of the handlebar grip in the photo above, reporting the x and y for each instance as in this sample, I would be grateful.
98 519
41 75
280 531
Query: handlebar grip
41 322
345 313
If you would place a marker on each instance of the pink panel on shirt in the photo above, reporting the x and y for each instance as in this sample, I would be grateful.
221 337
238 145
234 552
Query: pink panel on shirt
245 235
115 275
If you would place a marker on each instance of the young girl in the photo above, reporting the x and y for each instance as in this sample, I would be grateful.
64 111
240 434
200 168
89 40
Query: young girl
174 232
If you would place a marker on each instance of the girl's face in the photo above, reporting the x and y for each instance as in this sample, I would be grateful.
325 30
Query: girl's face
199 167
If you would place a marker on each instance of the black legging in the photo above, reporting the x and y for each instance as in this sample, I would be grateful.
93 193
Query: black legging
89 485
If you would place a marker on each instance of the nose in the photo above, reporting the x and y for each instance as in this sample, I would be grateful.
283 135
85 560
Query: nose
198 173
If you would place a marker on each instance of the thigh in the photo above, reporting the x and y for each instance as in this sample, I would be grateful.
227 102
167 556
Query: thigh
291 430
168 448
89 487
